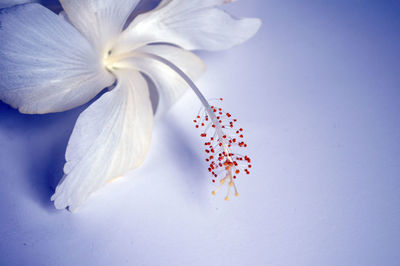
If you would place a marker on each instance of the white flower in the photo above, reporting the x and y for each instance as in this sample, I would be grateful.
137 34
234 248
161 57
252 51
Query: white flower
51 63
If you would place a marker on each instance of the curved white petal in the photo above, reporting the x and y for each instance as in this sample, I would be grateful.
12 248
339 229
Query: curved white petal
170 85
194 24
99 20
46 65
111 137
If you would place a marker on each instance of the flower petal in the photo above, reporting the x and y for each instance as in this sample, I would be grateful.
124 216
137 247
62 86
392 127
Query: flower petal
111 137
99 21
169 84
46 65
194 24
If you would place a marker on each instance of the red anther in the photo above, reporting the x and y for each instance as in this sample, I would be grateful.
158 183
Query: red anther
219 157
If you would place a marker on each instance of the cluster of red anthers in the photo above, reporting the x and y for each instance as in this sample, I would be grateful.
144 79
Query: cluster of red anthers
224 164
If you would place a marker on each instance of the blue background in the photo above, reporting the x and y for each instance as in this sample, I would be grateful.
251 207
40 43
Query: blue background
317 91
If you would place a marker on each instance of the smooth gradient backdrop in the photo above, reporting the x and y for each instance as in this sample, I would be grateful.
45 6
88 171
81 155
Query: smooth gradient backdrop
317 92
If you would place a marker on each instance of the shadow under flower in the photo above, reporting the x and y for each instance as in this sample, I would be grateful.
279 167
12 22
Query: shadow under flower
39 142
187 157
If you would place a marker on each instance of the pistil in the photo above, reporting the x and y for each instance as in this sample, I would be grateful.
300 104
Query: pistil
222 161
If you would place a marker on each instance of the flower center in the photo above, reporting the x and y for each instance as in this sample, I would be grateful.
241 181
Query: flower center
108 61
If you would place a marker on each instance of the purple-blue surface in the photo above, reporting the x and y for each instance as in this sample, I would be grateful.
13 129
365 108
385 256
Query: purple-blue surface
317 91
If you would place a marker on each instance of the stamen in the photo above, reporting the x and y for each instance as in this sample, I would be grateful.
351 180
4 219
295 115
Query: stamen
222 161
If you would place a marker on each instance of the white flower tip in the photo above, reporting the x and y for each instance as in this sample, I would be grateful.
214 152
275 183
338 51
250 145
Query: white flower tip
60 203
252 25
